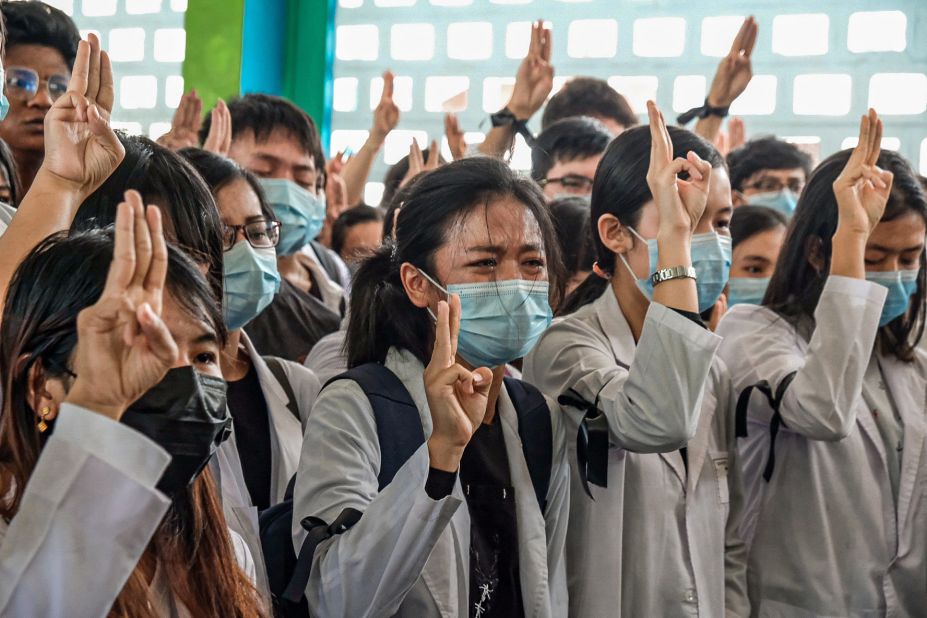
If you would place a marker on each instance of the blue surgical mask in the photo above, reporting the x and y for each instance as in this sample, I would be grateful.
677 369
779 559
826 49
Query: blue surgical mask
4 102
784 201
301 214
746 290
711 258
251 281
901 286
500 321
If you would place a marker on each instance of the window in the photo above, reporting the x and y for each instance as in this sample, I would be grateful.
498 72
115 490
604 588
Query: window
877 31
593 38
660 37
800 35
822 94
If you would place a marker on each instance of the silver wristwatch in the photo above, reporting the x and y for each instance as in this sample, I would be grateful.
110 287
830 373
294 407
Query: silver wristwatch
675 272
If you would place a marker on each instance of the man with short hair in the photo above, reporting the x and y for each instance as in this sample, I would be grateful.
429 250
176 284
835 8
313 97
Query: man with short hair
566 155
593 97
41 44
768 172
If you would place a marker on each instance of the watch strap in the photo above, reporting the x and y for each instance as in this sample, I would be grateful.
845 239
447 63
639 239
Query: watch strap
674 272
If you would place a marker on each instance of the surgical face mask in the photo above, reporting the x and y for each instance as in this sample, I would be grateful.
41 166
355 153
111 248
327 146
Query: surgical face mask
746 291
901 286
4 102
301 214
711 258
500 321
784 201
185 414
251 281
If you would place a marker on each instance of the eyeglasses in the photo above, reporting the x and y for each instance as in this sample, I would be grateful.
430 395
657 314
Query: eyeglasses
774 185
260 234
23 84
571 183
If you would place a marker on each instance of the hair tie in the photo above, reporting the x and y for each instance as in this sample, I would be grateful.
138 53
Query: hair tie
600 273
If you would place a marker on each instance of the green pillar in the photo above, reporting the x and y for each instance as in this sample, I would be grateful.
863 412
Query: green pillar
309 56
214 46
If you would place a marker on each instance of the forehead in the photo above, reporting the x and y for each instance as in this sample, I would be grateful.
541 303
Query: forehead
902 232
782 174
184 327
42 59
585 166
768 242
503 222
719 192
238 199
279 145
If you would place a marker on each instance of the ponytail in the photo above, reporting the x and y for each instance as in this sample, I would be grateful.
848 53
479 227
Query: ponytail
588 291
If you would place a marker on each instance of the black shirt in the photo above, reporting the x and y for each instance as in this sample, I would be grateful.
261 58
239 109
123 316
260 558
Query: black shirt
252 436
495 587
291 324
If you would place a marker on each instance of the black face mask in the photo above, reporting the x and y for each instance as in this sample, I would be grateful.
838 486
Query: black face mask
185 414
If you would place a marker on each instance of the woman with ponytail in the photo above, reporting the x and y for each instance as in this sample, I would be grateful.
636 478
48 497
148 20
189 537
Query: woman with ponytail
635 369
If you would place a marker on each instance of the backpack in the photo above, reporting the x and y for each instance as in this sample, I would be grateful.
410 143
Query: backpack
775 400
400 434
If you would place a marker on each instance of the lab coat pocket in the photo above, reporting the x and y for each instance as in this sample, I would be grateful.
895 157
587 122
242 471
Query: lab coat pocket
719 461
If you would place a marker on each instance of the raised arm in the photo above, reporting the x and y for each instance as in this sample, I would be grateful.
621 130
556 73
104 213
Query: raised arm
81 151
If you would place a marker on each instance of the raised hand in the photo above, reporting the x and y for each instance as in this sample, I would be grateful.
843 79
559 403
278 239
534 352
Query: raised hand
535 77
219 139
386 115
417 162
185 126
457 397
681 203
737 133
123 346
80 147
736 69
862 189
455 137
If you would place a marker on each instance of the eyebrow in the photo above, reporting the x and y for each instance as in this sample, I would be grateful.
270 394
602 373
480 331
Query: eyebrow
757 258
726 210
917 247
499 249
206 337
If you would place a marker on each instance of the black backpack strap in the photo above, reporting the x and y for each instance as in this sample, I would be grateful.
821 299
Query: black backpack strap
317 531
775 401
536 434
276 368
591 441
399 425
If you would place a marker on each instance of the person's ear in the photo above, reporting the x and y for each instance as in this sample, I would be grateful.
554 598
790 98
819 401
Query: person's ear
614 235
738 198
814 252
45 394
417 287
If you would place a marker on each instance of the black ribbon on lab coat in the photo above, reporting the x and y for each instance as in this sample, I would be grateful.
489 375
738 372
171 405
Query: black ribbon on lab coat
591 441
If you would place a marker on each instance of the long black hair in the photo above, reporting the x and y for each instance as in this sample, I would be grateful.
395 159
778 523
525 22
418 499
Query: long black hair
165 179
382 316
796 285
748 221
219 171
621 189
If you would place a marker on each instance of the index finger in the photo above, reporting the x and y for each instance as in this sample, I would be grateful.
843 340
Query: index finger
548 43
658 151
741 37
442 349
388 78
157 269
750 41
122 267
93 73
534 45
81 70
875 148
453 302
107 94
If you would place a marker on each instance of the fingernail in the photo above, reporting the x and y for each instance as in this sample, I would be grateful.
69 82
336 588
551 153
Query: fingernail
477 378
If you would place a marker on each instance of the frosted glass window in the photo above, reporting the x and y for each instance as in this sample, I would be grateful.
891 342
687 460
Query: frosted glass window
373 193
474 137
446 150
173 90
138 91
157 129
179 6
496 93
451 2
398 142
592 38
342 139
924 157
66 6
800 35
559 82
660 37
132 128
446 93
688 92
402 92
357 42
888 143
802 139
412 41
637 89
718 33
759 98
392 3
898 93
170 44
344 94
350 4
126 44
469 40
517 39
98 8
822 94
521 155
140 7
511 1
877 31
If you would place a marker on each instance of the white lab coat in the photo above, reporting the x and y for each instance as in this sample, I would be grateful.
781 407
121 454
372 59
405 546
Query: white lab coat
327 358
286 438
409 555
86 517
827 536
658 541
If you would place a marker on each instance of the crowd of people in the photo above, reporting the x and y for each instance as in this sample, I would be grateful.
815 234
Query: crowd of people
671 372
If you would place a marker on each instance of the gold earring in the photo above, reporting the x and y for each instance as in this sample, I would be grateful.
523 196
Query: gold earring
42 425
